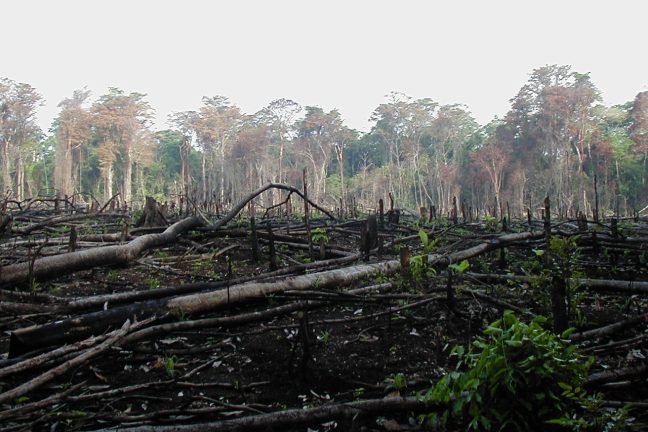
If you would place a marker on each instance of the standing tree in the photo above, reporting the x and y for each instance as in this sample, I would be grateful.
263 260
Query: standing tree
639 129
186 123
18 103
280 115
492 159
450 136
553 122
72 132
318 133
217 127
6 88
121 121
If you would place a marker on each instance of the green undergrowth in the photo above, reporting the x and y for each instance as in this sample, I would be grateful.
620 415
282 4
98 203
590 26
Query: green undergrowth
517 377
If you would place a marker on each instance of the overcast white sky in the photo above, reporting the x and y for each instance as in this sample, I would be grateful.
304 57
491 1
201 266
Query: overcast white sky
336 54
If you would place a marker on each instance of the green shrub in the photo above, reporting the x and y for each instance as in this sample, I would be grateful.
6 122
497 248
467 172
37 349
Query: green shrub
509 380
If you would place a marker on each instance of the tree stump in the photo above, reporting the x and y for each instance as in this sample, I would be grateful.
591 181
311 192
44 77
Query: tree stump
369 235
152 215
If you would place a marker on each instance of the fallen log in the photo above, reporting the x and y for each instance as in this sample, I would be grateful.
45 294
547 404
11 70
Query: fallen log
61 305
239 319
614 375
606 285
352 411
249 197
61 369
72 329
48 267
609 329
52 266
64 219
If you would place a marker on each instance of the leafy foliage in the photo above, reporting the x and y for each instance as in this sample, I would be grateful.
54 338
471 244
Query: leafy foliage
319 234
592 415
419 263
509 379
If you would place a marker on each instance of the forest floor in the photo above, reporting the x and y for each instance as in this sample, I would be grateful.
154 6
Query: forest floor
389 338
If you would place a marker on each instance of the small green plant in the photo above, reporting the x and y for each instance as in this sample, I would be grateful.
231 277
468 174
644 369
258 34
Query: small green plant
428 245
170 366
231 264
112 276
55 290
508 380
22 400
180 315
153 283
419 267
162 254
461 267
324 337
318 235
358 392
34 284
380 278
626 229
592 415
491 223
137 214
399 381
200 265
419 263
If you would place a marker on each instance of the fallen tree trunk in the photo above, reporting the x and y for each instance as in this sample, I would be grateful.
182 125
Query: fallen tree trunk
61 369
70 330
352 411
48 267
609 329
249 197
51 304
65 219
609 285
614 375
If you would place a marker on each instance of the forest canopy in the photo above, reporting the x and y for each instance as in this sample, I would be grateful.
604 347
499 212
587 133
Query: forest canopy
557 139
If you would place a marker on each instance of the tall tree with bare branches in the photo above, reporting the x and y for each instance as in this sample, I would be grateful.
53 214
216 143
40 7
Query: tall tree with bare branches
121 121
18 104
72 133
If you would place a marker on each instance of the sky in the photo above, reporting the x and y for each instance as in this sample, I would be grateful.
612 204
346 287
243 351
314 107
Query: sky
346 55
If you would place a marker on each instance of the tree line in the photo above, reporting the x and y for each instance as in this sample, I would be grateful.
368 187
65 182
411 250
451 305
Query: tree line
557 139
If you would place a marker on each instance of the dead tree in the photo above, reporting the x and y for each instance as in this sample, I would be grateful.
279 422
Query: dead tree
52 266
73 329
152 216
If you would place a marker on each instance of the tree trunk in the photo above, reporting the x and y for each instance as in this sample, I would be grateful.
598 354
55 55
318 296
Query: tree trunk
56 265
4 166
108 180
290 419
128 174
72 329
204 180
152 216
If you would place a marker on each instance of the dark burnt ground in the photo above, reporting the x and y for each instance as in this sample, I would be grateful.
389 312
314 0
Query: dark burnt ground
382 343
